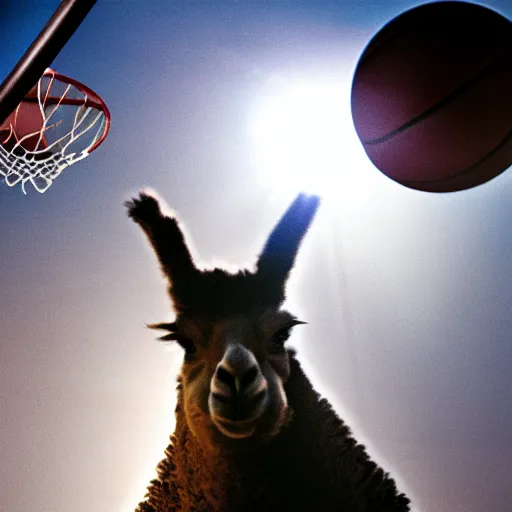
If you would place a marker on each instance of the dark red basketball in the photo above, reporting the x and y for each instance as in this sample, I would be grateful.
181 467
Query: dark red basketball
432 97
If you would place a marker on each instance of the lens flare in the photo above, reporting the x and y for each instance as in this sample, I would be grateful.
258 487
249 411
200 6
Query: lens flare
303 138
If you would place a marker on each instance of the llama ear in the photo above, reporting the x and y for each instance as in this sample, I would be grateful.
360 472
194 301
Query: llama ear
278 255
165 236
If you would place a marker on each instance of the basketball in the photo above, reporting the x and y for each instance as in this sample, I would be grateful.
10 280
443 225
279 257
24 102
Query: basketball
431 97
24 125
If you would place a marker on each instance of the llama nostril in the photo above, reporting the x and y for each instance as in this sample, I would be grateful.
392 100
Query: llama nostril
238 389
221 398
224 376
237 384
249 377
260 396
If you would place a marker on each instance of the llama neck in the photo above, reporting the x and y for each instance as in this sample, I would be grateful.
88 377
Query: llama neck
220 481
312 464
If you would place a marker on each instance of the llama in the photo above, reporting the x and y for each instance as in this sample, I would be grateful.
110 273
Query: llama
251 432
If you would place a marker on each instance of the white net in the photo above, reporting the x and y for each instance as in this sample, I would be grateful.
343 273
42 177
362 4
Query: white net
59 123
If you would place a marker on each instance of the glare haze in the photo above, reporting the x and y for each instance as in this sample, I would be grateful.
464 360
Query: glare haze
228 109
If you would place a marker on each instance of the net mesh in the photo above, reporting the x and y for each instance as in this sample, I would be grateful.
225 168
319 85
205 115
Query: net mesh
59 123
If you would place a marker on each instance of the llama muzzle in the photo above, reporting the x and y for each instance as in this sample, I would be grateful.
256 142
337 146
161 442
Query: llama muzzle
238 392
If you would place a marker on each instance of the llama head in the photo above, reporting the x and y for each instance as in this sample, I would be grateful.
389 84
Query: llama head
231 327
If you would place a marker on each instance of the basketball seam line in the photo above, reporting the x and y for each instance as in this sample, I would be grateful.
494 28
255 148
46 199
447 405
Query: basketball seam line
488 155
441 103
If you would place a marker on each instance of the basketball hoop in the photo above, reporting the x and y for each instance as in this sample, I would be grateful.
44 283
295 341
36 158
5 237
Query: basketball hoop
58 123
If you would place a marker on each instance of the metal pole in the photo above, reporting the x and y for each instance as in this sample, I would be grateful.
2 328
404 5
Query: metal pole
41 53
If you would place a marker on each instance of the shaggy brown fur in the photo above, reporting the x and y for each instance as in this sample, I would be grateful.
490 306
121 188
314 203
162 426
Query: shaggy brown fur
312 463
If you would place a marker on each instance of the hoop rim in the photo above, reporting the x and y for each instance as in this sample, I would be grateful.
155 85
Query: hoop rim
92 99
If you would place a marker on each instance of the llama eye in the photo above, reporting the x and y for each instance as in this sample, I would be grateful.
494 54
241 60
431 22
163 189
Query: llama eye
187 345
281 336
173 335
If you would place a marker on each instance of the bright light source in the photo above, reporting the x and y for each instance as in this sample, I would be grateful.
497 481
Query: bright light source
304 139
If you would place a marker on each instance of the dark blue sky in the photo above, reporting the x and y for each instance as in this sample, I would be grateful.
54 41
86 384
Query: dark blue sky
407 295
